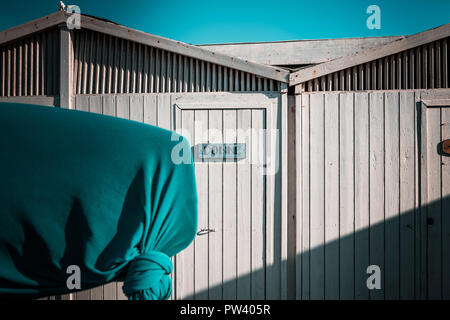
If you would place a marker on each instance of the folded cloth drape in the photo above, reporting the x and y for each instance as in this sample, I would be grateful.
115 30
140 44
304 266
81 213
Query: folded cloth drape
148 277
113 197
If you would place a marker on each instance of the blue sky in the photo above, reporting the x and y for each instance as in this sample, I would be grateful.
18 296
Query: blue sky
200 22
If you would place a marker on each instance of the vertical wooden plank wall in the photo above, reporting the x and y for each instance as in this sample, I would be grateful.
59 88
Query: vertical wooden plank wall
66 68
376 188
185 261
200 244
434 211
445 120
283 187
231 261
422 67
29 67
408 199
435 196
345 212
274 277
216 212
392 195
105 64
361 193
357 194
317 197
229 207
257 219
243 221
331 197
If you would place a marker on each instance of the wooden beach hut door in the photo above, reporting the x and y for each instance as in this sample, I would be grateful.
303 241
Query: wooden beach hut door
435 185
228 257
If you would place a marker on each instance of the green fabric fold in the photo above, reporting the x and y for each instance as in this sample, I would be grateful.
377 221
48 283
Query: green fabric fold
94 191
148 277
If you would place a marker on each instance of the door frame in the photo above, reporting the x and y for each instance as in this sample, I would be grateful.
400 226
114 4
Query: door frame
428 99
276 213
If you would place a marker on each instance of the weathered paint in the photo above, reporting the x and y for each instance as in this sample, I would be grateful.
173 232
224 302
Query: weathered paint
29 66
167 71
421 67
357 194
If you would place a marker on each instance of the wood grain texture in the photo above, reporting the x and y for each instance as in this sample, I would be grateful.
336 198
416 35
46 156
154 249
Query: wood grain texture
362 194
371 54
377 141
317 186
331 197
346 194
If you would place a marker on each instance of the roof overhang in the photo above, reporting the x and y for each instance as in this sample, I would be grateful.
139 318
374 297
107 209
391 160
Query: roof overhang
123 32
298 52
368 55
31 27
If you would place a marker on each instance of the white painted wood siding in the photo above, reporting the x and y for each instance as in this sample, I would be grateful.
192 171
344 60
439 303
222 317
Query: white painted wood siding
358 190
421 67
108 64
436 194
30 66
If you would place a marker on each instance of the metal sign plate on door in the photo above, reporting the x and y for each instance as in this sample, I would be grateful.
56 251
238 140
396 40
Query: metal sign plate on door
221 151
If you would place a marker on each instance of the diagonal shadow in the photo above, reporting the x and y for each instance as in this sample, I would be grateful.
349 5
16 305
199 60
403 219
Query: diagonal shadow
77 232
338 269
131 220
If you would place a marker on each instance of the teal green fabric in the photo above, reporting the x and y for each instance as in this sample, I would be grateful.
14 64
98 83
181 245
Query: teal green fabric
148 277
98 192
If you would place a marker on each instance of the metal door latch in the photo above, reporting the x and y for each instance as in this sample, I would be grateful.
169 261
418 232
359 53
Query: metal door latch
205 231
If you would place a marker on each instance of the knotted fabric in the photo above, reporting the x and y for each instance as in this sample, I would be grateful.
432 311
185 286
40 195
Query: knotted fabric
92 191
148 277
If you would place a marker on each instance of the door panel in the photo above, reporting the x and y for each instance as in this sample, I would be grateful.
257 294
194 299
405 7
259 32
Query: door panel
436 197
215 196
201 242
184 262
229 226
434 204
227 259
257 206
243 208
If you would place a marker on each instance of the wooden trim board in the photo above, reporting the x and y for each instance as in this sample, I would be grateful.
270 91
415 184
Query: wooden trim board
369 54
123 32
